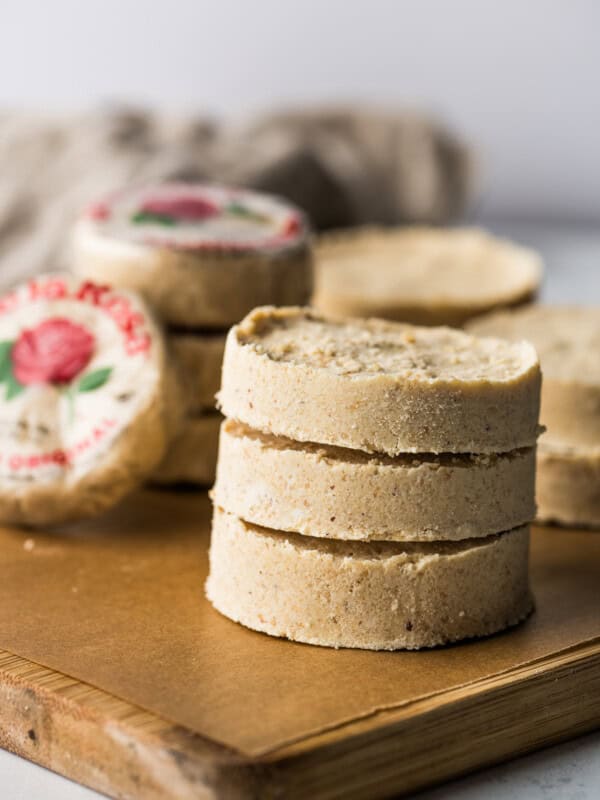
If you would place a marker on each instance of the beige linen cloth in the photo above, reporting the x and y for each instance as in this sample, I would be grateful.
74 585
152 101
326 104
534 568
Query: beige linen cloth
344 167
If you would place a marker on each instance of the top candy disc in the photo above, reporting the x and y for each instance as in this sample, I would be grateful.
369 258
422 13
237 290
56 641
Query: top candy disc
204 255
380 387
82 399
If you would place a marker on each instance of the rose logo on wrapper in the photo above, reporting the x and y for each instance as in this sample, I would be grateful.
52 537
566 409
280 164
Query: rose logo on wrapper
180 207
83 399
55 352
176 208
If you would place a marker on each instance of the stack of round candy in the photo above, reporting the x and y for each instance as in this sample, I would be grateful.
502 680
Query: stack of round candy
567 339
375 481
203 256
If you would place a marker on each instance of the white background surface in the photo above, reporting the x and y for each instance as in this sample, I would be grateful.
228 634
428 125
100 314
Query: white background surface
518 79
566 772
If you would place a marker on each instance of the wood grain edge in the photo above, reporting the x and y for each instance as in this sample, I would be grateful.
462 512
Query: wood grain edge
451 734
111 746
125 752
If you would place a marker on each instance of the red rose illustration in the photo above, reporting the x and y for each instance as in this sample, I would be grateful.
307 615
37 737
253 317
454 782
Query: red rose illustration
292 227
180 207
53 352
98 211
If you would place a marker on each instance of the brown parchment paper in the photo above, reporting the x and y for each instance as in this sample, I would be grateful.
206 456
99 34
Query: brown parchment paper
118 603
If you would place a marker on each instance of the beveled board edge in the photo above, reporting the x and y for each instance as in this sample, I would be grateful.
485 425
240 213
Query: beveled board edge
123 751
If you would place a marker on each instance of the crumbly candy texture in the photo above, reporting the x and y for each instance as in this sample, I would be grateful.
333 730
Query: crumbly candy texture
198 360
332 492
567 340
201 255
427 276
568 484
379 386
192 455
84 399
372 595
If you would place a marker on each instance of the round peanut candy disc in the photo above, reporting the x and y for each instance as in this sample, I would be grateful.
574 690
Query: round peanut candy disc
377 386
567 340
370 595
568 483
82 399
337 493
427 276
203 255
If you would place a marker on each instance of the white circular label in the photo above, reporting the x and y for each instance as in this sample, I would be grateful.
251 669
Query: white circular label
193 216
78 361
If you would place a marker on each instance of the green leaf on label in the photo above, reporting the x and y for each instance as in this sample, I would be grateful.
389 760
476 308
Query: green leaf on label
94 380
148 217
7 376
5 360
238 210
13 387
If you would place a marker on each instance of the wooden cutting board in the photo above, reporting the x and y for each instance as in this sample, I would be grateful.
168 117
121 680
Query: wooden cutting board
369 741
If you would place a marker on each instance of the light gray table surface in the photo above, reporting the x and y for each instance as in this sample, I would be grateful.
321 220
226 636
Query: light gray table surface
570 771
